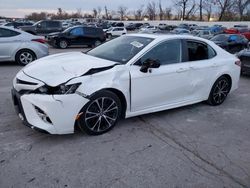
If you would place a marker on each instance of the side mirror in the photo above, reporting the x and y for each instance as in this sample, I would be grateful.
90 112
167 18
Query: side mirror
149 63
39 25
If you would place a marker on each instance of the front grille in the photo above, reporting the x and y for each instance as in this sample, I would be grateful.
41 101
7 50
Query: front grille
18 81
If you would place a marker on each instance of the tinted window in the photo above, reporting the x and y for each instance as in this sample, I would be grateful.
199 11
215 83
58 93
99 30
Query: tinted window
8 33
166 53
53 24
196 51
77 31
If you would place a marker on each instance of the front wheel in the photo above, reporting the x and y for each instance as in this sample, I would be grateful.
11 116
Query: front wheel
100 114
63 44
219 91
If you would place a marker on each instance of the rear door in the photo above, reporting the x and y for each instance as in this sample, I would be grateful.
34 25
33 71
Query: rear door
9 42
76 36
199 56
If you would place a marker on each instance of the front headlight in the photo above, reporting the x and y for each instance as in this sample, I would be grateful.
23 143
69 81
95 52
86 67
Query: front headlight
58 90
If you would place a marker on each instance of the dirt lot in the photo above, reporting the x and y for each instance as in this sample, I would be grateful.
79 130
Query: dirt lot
196 146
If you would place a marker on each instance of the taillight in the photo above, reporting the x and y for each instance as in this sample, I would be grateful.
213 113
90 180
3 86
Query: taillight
238 63
39 40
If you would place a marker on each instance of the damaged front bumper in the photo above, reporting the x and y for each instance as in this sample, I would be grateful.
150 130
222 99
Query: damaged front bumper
54 114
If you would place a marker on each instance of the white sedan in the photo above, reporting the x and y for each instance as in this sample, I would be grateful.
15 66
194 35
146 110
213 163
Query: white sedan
19 46
131 75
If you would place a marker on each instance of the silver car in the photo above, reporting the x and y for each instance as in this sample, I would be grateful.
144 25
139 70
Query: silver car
19 46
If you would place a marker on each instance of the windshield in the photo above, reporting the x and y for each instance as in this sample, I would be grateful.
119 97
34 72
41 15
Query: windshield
37 23
220 38
121 49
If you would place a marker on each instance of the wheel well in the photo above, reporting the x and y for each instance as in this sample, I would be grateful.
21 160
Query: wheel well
229 78
26 49
122 98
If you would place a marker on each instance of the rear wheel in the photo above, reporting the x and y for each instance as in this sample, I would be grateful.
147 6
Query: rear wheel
100 114
24 57
219 91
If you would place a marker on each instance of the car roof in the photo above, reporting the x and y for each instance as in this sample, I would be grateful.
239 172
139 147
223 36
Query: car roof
166 36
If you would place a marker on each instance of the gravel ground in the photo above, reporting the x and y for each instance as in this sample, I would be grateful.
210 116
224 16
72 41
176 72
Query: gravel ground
197 146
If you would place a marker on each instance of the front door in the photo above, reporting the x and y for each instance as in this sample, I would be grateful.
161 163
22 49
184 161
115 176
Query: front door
167 85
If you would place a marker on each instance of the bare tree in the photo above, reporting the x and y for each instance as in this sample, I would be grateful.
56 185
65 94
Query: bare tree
138 13
95 13
122 10
187 8
161 12
167 14
242 6
151 10
200 9
99 11
207 6
106 12
224 7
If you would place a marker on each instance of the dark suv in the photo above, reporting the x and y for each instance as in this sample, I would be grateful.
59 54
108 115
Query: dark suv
43 27
77 35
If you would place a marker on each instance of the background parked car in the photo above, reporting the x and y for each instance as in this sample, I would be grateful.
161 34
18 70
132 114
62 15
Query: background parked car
77 35
233 43
17 24
115 32
181 31
43 27
19 46
242 31
207 34
149 28
244 57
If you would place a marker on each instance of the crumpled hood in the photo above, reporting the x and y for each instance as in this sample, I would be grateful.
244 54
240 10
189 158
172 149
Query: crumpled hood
59 68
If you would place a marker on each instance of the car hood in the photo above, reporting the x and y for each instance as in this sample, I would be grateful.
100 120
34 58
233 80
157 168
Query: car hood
24 28
57 69
55 34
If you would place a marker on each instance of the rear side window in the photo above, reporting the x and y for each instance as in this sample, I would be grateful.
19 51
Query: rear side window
77 31
53 24
8 33
166 53
199 51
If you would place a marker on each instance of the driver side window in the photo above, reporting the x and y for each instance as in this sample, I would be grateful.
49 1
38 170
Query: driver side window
165 53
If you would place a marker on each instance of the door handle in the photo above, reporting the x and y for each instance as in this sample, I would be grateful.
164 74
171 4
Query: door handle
182 70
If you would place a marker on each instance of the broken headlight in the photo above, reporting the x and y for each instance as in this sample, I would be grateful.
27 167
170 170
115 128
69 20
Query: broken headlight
58 90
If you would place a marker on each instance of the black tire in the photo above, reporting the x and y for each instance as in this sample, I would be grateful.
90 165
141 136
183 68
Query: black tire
109 36
219 91
97 43
100 114
24 57
63 44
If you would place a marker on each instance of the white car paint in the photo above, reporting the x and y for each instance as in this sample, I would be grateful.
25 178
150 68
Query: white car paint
9 46
116 31
167 87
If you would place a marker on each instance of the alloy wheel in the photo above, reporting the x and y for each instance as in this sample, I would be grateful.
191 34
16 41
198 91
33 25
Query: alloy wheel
221 91
26 57
101 114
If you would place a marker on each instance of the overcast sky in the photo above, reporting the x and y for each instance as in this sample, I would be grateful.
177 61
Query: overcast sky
19 8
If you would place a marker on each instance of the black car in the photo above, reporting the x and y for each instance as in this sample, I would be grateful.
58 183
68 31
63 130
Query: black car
43 27
232 43
131 27
244 57
77 35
